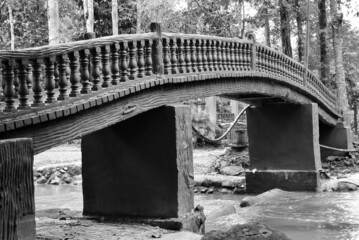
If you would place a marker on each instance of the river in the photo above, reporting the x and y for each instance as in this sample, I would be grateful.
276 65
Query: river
300 215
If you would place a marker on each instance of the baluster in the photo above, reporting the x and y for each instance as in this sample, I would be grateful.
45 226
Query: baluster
209 55
148 57
96 72
85 73
74 74
260 59
265 62
219 55
123 60
204 55
229 56
248 55
16 81
275 62
37 83
106 70
50 80
132 60
115 70
140 59
270 62
193 55
199 55
187 55
56 75
23 91
236 56
181 58
233 56
224 56
9 90
173 48
62 61
29 77
166 56
240 56
214 55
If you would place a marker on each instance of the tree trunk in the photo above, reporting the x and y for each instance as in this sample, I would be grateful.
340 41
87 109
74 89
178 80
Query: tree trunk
89 15
53 21
355 118
342 97
114 17
138 18
299 20
323 42
12 34
285 27
266 24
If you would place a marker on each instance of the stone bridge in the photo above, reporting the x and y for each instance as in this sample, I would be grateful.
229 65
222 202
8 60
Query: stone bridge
119 95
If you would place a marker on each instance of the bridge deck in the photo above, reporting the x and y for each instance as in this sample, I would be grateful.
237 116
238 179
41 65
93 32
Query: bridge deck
95 72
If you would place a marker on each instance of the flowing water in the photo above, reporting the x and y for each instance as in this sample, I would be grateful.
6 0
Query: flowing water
300 215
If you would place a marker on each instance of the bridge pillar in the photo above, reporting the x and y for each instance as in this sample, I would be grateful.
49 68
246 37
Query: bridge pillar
17 207
141 167
283 147
337 137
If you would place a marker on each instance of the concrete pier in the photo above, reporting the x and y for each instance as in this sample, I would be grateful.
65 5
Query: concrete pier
283 147
141 167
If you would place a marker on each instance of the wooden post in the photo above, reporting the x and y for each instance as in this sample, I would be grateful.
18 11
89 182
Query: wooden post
17 205
157 52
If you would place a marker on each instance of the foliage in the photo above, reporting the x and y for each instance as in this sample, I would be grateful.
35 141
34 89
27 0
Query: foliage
30 22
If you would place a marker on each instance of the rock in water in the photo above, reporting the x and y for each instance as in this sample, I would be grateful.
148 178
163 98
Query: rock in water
251 231
346 187
182 236
261 198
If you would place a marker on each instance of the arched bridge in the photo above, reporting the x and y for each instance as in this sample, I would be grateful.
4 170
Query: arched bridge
86 89
53 94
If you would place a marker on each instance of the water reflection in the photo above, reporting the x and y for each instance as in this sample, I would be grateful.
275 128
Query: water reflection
314 216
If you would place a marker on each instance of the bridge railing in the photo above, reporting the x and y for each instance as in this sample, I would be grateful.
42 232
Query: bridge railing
45 75
190 53
42 76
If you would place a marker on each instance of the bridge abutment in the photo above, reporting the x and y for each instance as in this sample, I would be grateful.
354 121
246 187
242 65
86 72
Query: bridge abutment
141 167
283 147
17 204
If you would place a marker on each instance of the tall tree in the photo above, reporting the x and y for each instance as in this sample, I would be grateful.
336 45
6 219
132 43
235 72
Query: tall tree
89 15
138 16
114 17
11 20
266 23
337 22
284 10
53 21
323 42
299 20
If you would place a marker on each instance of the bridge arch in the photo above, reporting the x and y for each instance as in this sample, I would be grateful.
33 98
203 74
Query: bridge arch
114 105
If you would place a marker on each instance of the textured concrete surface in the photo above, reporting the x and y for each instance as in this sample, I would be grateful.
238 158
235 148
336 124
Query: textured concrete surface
143 166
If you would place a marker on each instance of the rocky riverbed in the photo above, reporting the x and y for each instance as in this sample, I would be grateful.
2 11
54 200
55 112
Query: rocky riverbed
216 169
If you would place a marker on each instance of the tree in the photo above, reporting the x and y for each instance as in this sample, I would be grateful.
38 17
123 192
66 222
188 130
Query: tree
323 42
337 22
299 20
284 10
53 21
114 17
89 15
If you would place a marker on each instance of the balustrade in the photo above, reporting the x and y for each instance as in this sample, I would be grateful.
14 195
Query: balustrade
88 68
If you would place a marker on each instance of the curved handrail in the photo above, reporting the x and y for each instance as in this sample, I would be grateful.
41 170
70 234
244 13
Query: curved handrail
36 78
